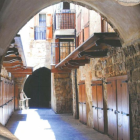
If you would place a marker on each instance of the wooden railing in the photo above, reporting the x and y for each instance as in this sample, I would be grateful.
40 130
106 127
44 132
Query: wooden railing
65 19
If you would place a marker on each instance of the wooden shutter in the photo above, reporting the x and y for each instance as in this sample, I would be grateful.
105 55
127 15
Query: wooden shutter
81 37
80 103
86 16
36 20
49 33
94 105
118 115
98 107
77 41
79 22
111 100
125 110
86 33
84 104
119 108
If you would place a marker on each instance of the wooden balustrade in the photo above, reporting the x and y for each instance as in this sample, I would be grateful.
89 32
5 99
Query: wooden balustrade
6 100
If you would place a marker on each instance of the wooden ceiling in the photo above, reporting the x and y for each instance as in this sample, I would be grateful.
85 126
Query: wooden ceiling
14 63
96 46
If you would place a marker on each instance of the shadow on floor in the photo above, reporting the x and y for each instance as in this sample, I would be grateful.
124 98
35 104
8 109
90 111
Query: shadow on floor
60 129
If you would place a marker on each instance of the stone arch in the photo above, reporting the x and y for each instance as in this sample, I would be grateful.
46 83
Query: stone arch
15 13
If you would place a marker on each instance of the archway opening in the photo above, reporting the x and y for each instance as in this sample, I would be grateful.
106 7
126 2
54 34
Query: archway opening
38 88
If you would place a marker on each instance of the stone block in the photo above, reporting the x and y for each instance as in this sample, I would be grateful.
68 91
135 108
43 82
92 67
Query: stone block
138 88
137 47
136 75
109 62
117 69
130 64
132 88
131 50
126 52
134 108
136 133
137 61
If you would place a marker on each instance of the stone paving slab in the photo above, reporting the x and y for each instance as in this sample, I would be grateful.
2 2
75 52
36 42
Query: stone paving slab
44 124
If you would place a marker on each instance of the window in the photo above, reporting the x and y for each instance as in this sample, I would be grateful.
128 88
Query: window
40 31
66 47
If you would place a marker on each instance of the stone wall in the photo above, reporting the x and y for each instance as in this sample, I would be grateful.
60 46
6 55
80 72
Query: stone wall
62 93
39 54
120 61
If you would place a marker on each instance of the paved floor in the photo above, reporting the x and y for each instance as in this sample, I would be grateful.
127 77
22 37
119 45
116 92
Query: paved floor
44 124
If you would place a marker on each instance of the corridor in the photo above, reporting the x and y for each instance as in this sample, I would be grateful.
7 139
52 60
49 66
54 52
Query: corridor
44 124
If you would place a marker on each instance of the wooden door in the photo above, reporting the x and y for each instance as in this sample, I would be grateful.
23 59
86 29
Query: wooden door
84 114
94 106
118 98
125 111
100 106
80 103
119 109
111 100
98 110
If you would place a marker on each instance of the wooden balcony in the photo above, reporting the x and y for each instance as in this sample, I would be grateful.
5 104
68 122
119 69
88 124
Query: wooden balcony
65 19
14 60
96 46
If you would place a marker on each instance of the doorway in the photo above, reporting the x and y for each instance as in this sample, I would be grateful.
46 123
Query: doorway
38 88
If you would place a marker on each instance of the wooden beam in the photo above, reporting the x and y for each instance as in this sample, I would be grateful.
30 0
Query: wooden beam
15 67
60 71
11 53
113 43
96 54
79 62
12 64
26 71
107 35
69 67
12 58
98 48
19 75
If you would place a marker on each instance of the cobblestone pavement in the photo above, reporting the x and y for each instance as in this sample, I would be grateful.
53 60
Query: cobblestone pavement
44 124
